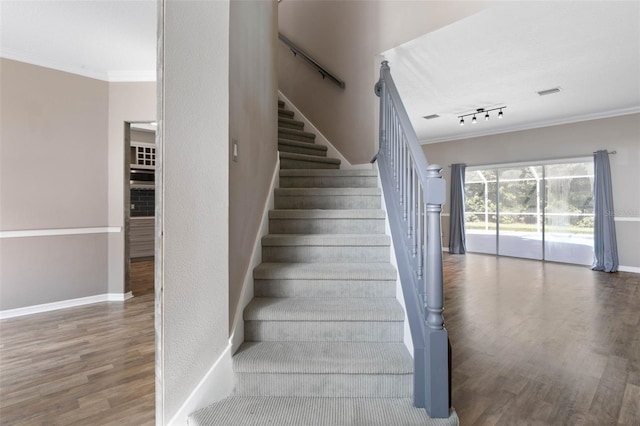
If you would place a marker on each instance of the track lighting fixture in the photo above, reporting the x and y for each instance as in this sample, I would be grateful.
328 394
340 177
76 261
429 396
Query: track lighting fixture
481 111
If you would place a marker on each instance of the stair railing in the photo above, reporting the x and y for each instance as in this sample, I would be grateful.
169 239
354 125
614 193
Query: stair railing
314 64
414 192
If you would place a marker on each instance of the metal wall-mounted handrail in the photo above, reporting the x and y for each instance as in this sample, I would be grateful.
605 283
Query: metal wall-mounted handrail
414 192
322 70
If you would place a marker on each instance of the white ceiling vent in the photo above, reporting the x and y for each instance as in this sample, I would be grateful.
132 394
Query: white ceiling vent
549 91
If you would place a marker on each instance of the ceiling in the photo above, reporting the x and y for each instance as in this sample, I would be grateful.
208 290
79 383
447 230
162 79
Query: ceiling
501 56
111 40
506 54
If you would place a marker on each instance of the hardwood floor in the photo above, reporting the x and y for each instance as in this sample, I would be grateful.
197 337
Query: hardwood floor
542 343
533 344
141 274
91 365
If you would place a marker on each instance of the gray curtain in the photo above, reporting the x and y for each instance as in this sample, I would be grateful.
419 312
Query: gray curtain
605 247
457 242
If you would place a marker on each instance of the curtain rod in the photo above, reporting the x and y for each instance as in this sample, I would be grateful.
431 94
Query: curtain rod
537 161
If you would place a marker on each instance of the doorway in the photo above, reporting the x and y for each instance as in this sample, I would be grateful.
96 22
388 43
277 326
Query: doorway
140 163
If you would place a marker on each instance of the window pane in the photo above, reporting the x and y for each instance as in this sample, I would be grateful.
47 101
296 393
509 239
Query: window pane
569 213
480 211
519 210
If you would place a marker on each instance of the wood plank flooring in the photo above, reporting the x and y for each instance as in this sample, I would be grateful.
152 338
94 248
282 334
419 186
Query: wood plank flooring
533 344
542 343
90 365
142 273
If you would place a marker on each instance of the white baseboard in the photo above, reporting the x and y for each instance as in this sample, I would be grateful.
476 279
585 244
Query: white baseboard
246 293
217 384
63 304
320 138
633 269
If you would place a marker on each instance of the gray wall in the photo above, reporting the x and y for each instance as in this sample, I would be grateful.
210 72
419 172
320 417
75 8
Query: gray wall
621 134
345 37
53 174
193 312
253 123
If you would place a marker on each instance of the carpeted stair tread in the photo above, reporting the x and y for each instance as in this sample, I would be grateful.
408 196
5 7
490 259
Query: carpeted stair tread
329 173
300 411
325 240
285 113
280 104
325 271
327 192
299 147
323 358
308 158
295 133
323 309
327 214
308 145
290 123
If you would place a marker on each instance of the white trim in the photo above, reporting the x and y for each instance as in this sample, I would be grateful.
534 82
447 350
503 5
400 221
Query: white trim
64 304
320 138
110 76
246 293
217 384
632 269
445 249
530 126
61 231
626 219
445 214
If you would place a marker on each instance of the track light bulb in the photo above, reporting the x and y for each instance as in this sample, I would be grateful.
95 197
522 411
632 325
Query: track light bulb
474 119
500 113
486 116
462 121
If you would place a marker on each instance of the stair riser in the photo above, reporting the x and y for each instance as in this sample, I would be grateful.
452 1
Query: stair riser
326 226
301 150
323 331
323 288
290 125
327 202
296 137
286 163
337 254
329 385
328 182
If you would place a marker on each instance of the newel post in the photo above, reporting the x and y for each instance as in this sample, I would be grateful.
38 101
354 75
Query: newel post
437 351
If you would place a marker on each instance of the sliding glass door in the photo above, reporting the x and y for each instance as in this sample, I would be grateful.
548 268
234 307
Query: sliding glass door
569 213
519 211
481 192
534 211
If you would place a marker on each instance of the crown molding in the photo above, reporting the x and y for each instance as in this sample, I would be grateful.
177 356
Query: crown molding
537 125
109 76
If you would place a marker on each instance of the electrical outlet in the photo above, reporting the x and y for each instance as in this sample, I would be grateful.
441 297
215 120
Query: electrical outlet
234 150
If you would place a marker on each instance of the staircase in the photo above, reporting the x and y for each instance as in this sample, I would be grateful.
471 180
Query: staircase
324 333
